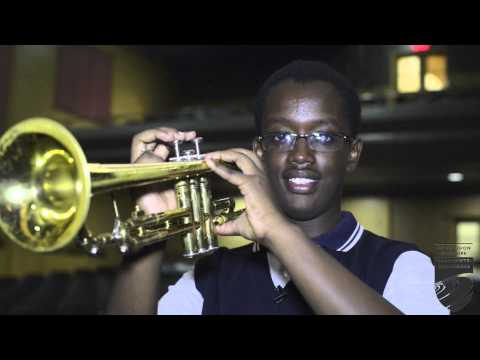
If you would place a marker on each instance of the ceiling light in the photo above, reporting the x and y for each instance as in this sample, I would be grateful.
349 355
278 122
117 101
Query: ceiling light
455 177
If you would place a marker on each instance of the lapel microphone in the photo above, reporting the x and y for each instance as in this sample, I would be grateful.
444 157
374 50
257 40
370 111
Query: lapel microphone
280 295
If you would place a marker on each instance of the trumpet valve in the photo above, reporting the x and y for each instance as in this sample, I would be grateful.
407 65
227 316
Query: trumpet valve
138 213
124 248
197 142
190 154
120 235
87 242
94 250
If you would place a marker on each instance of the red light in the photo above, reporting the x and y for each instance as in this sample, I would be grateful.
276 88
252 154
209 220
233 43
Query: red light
420 48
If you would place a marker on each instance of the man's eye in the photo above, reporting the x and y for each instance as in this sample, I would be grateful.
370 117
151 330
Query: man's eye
280 138
324 138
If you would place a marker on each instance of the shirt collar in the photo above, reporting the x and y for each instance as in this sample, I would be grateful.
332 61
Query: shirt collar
344 236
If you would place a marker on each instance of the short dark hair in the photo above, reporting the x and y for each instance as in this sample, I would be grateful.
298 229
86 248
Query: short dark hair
302 71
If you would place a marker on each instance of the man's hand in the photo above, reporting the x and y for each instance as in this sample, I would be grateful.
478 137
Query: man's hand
151 146
261 213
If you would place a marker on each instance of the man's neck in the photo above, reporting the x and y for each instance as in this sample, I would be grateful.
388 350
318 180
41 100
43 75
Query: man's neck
321 224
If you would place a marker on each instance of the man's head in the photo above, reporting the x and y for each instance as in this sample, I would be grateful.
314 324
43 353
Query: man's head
307 174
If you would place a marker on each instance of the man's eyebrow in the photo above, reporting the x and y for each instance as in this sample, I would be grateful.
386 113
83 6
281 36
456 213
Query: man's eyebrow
275 122
320 121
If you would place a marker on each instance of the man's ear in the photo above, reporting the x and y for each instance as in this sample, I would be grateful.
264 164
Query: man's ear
354 155
258 149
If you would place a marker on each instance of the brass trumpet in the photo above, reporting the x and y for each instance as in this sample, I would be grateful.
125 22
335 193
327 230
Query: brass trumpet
46 187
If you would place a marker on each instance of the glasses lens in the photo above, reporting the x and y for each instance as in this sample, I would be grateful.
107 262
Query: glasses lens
319 141
278 141
326 142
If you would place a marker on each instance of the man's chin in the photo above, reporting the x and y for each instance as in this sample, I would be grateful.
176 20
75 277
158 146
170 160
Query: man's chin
301 213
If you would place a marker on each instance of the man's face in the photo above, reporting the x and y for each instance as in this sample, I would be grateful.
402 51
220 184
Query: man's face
307 183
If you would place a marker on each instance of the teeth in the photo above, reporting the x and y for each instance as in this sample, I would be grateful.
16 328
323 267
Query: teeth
301 181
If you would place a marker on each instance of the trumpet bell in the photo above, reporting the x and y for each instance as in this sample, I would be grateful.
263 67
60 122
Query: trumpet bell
45 186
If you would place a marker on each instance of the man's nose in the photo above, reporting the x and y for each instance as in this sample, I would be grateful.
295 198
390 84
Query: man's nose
301 153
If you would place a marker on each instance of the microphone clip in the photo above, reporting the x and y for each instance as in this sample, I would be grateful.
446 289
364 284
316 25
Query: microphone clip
280 295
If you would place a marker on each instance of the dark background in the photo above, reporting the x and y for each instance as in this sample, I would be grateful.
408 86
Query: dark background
412 142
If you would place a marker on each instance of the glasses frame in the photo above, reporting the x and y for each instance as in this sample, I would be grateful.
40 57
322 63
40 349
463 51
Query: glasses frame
346 139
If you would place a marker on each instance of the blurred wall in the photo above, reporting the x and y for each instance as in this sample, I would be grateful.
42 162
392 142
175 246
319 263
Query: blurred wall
372 67
429 222
139 88
374 213
426 222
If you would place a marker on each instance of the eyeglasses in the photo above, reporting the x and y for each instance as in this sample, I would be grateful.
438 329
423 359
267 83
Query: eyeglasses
317 141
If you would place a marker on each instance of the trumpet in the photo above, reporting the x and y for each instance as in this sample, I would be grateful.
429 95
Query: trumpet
46 187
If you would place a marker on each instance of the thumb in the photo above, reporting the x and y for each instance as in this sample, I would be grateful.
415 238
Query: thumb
230 228
238 227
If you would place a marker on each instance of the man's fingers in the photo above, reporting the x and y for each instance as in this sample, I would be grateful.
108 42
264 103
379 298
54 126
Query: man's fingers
146 141
151 140
153 135
148 158
190 135
161 151
184 135
243 162
230 228
233 177
251 155
238 227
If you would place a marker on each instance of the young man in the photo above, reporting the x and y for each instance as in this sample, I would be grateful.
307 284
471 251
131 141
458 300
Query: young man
309 257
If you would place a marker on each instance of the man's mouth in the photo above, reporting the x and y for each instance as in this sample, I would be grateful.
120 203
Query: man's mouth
301 182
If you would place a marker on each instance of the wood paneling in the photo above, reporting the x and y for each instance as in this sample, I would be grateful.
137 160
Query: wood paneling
6 63
84 82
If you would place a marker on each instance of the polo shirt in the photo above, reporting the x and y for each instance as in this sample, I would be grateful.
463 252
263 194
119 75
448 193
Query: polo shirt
250 280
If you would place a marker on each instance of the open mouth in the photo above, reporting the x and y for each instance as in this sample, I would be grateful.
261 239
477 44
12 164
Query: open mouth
301 182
